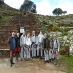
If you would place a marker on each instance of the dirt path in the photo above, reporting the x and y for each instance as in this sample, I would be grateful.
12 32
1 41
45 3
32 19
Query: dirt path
32 66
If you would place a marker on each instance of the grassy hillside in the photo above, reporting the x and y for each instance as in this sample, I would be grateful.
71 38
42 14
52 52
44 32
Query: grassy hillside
6 13
61 21
64 19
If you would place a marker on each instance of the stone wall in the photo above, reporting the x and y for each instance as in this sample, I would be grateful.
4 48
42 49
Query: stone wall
26 20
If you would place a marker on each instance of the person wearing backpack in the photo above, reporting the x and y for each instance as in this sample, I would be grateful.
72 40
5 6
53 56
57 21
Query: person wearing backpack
40 40
56 48
12 44
51 56
23 46
33 45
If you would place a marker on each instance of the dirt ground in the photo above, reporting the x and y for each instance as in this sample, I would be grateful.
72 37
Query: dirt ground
31 66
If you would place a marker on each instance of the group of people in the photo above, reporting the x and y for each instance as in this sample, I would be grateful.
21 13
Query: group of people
32 46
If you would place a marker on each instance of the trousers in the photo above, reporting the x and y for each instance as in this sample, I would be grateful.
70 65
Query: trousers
28 52
33 50
46 55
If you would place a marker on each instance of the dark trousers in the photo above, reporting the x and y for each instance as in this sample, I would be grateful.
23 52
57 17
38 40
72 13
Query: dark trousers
11 56
17 51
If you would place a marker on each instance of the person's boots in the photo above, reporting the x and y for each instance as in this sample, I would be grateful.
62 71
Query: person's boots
17 57
57 62
10 63
52 60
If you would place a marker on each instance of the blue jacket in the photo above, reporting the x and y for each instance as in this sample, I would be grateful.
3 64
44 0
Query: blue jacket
12 43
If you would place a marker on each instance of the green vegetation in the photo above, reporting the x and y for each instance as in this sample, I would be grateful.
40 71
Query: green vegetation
5 19
58 11
58 22
66 63
6 13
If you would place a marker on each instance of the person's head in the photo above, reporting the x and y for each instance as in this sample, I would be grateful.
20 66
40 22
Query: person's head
40 32
33 32
24 33
28 35
54 36
45 35
18 34
13 34
51 36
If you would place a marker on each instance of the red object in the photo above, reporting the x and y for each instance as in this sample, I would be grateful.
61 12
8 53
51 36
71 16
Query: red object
12 51
17 49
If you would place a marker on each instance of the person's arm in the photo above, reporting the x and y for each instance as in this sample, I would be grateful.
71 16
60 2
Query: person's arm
58 45
9 42
48 45
21 41
43 44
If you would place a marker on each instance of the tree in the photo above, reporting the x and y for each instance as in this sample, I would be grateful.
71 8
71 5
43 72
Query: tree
57 11
2 1
64 12
28 6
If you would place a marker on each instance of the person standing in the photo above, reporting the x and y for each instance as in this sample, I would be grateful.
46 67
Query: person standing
56 47
28 46
12 44
37 47
46 47
33 39
17 46
51 56
40 40
23 44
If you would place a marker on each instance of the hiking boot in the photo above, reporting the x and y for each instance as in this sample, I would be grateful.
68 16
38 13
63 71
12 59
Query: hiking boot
57 65
12 63
21 59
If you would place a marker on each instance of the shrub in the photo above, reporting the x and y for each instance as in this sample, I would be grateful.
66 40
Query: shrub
66 29
49 27
55 28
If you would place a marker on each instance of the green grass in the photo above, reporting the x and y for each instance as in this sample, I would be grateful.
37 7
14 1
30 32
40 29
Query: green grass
6 12
4 19
67 63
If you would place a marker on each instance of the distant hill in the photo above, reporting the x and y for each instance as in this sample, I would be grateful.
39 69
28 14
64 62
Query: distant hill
7 12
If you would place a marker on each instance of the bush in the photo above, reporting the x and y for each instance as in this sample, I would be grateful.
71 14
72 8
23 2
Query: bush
49 27
64 33
55 28
66 29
